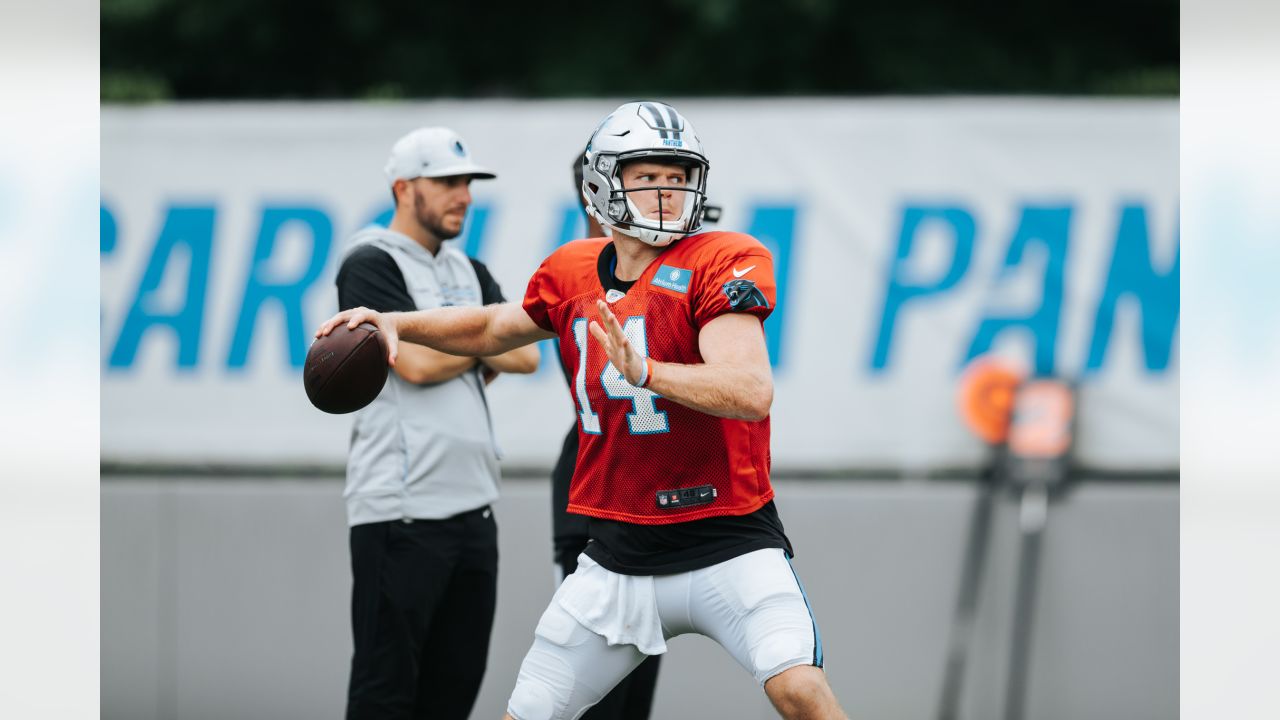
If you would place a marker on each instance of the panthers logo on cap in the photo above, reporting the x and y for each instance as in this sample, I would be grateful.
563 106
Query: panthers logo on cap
458 149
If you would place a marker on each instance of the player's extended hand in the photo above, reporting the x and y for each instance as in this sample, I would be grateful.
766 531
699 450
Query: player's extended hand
352 318
623 356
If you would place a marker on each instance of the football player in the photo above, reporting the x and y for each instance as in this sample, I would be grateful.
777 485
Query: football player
632 697
660 327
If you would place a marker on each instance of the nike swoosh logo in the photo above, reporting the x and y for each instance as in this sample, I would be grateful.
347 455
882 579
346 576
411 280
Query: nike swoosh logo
739 273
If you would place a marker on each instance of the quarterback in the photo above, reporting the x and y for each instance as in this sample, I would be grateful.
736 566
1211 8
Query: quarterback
660 329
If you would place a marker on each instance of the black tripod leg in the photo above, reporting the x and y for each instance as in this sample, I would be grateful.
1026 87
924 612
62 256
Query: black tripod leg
1032 519
966 610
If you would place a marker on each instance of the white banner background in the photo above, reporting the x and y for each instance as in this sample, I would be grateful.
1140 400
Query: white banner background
844 170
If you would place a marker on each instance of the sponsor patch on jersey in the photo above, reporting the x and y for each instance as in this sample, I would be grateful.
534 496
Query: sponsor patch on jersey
684 497
672 278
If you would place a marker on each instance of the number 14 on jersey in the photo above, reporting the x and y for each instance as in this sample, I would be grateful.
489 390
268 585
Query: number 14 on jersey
644 418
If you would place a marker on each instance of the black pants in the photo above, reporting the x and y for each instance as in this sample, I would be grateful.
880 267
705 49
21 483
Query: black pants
632 697
422 605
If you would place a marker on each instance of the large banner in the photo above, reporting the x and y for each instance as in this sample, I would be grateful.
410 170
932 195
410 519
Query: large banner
908 237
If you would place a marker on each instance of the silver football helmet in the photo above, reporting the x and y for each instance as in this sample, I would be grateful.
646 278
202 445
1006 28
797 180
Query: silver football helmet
649 131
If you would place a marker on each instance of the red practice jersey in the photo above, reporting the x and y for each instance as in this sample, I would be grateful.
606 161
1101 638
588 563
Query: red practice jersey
642 458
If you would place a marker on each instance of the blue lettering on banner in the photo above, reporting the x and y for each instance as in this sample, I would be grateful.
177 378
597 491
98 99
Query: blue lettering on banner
775 226
106 246
1049 227
287 293
548 356
187 230
900 291
473 231
172 288
1156 293
106 230
1131 274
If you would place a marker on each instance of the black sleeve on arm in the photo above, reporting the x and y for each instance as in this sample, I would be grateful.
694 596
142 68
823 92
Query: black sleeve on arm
370 277
490 293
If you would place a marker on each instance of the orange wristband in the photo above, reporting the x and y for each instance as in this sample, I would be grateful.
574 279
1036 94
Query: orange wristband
648 373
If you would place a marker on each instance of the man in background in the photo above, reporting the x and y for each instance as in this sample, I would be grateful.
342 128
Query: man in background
423 465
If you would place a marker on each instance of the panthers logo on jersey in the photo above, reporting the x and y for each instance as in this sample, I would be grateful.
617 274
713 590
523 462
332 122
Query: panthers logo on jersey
743 294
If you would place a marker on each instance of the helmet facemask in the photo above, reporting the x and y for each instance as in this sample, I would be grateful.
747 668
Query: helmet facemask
624 214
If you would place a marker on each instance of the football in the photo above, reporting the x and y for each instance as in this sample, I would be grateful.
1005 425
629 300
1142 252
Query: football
346 369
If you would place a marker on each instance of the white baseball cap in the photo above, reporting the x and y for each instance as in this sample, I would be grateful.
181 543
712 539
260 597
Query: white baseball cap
432 152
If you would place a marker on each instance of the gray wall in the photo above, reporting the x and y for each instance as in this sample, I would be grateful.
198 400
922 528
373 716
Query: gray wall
228 598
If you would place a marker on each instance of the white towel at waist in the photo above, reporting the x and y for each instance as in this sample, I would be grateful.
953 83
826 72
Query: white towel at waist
621 608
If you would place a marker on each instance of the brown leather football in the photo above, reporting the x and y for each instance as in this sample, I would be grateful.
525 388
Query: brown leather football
346 369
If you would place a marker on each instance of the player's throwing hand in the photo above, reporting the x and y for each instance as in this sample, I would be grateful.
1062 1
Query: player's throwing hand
353 317
632 365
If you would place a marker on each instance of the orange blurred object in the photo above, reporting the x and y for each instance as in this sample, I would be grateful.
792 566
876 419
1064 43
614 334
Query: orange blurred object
985 399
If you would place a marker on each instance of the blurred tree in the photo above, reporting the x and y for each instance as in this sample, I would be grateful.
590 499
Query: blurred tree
197 49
